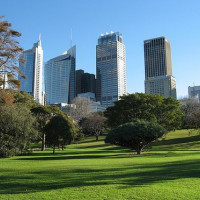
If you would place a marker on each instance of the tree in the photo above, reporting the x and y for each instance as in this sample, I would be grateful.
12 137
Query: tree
93 124
190 108
17 130
60 131
80 108
139 106
10 52
43 115
135 135
6 97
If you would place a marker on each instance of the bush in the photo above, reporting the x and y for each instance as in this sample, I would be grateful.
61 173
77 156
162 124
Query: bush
135 135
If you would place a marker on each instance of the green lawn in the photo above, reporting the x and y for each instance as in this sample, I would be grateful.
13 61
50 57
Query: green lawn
169 169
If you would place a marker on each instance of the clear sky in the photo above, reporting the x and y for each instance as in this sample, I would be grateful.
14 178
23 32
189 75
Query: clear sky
178 20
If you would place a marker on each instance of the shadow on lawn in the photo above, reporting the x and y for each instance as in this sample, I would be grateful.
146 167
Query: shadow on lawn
176 141
126 176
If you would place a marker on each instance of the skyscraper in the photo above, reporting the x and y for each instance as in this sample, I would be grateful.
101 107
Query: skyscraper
194 92
60 78
33 70
158 68
85 82
110 68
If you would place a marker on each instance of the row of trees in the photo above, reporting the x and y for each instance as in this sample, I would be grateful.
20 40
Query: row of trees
23 121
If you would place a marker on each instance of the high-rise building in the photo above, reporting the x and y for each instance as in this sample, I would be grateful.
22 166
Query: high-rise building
158 68
33 70
3 80
60 78
110 68
85 82
194 92
78 80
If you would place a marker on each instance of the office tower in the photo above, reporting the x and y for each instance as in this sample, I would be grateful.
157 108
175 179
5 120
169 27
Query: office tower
158 68
3 80
78 80
85 82
110 68
194 92
60 78
33 70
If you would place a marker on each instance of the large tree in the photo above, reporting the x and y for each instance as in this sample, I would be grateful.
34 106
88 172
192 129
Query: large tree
10 52
17 130
80 109
135 135
60 131
139 106
93 124
43 115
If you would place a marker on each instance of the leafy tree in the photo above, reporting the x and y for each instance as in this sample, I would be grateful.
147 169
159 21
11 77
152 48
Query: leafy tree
43 115
17 130
135 135
6 97
93 124
139 106
10 52
60 131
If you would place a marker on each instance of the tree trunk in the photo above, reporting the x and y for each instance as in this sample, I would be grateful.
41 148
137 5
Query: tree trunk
54 149
97 137
62 147
139 151
43 142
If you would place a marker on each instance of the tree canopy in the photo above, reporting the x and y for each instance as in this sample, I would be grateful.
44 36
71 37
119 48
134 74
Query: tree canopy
135 135
139 106
10 52
60 131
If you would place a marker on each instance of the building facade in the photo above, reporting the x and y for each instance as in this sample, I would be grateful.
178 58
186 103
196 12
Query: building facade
85 82
110 68
60 78
194 92
158 68
33 70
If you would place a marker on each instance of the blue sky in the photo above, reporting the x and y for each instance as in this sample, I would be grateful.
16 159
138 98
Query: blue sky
178 20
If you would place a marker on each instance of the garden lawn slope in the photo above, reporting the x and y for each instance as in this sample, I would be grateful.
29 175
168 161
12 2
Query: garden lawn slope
94 170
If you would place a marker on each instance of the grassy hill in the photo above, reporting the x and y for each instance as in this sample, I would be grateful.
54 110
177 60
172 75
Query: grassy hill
169 169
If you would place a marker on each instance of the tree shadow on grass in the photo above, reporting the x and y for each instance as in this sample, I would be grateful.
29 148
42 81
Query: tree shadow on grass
125 176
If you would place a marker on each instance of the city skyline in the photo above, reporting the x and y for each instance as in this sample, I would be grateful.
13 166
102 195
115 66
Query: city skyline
137 22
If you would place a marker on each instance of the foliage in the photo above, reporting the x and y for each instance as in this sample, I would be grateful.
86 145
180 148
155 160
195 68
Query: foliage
6 97
139 106
16 130
93 124
60 131
9 54
43 115
135 135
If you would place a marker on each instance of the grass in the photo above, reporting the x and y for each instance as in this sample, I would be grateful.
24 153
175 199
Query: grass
97 171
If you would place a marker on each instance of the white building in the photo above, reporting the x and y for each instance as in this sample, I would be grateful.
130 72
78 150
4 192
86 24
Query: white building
110 68
60 78
3 80
163 85
194 92
33 70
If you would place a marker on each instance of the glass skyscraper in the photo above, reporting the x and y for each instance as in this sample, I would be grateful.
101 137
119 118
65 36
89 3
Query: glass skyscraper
60 78
158 68
33 70
110 68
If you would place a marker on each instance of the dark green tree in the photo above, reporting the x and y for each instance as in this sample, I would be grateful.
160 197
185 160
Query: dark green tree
43 115
17 130
135 135
60 131
139 106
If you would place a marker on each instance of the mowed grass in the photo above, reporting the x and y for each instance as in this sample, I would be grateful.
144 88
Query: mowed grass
93 170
